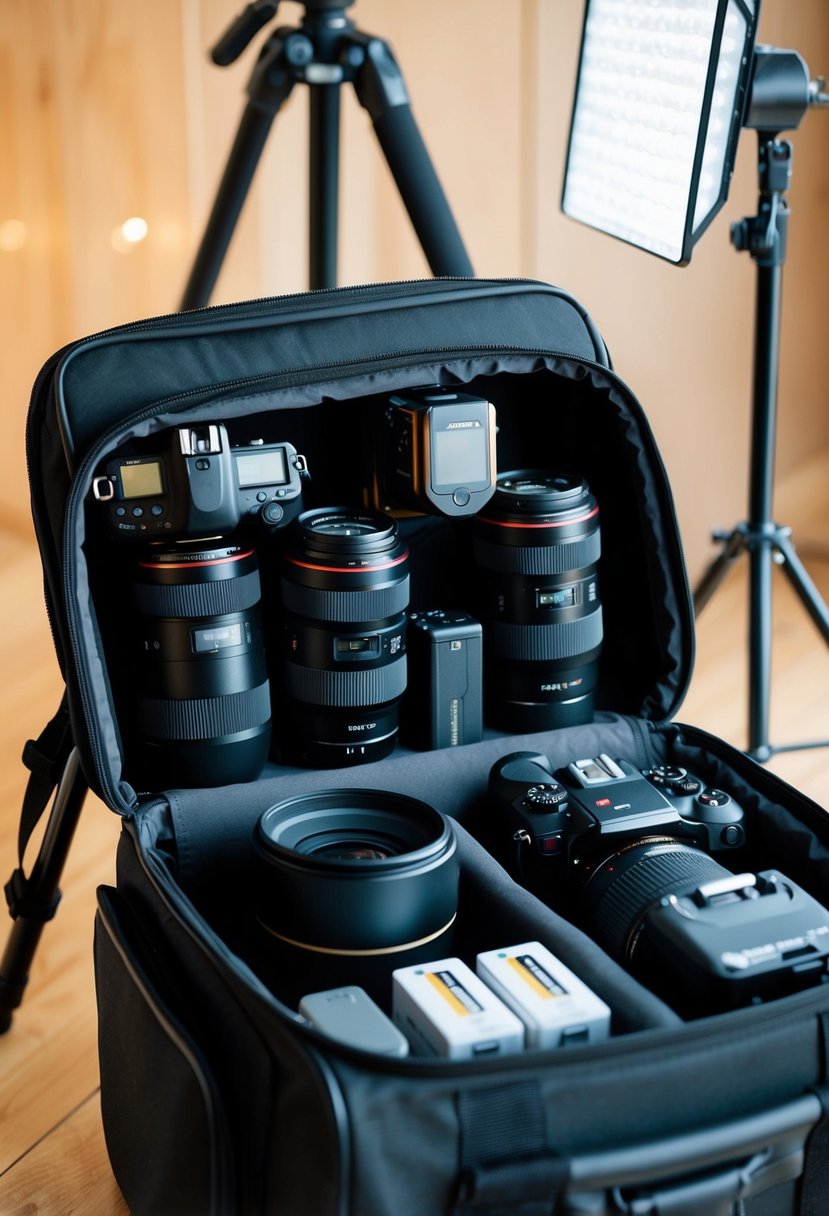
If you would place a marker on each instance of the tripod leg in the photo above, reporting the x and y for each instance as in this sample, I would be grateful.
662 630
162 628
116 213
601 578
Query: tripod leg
381 91
759 649
716 572
233 190
324 184
806 590
33 901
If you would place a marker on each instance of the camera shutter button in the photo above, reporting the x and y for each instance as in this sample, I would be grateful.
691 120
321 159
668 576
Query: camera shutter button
714 798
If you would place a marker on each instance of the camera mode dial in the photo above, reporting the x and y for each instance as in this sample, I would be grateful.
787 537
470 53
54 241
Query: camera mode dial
544 797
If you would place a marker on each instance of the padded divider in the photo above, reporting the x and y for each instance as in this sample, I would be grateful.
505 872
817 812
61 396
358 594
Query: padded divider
213 827
500 913
213 831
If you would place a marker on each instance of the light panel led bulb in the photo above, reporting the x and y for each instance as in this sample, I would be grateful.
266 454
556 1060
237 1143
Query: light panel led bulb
655 118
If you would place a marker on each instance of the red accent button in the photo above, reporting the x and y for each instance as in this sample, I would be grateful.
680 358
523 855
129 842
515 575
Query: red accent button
603 802
550 844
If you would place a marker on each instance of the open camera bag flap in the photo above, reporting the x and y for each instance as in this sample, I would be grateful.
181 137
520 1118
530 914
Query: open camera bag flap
217 1097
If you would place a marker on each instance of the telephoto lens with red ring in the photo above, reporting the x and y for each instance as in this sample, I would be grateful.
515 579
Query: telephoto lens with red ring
537 545
345 591
203 708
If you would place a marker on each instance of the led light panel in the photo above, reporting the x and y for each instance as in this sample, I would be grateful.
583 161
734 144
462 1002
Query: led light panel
657 112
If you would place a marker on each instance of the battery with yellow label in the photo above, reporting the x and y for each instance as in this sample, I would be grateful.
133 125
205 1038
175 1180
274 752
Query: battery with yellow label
443 1009
556 1007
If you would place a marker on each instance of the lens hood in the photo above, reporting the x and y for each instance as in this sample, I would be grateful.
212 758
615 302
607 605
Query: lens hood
355 872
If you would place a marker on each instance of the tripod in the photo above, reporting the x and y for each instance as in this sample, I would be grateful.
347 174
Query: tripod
780 94
324 53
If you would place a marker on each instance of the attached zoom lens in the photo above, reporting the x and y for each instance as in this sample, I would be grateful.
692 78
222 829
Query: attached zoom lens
537 545
360 881
345 590
203 713
621 890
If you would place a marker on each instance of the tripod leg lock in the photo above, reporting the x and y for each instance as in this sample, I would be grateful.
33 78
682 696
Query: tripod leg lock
47 765
378 84
22 903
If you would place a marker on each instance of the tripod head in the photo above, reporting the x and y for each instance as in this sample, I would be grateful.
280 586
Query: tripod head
781 91
257 15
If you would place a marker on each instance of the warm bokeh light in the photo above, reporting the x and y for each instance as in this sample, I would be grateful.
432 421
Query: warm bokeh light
13 234
129 234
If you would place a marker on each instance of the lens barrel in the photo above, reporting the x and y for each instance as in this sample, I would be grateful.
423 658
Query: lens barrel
625 885
345 590
202 713
358 881
537 546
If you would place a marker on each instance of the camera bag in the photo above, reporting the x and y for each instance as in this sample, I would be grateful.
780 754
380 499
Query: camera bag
217 1096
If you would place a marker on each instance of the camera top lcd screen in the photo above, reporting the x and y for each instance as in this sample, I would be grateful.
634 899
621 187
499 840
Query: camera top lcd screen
266 468
460 456
141 480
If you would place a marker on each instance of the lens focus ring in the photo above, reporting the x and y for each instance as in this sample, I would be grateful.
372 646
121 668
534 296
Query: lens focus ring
536 643
539 559
346 689
373 604
204 718
654 872
193 600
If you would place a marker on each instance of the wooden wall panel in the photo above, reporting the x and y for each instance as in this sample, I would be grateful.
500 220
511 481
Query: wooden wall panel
111 110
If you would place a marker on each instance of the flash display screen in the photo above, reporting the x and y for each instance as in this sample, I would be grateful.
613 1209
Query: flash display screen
262 468
460 456
141 480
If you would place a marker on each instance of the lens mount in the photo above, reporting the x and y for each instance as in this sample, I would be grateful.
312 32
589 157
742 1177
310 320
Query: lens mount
332 532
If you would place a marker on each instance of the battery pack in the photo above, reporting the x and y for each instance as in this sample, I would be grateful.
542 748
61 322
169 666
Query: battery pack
555 1006
443 1009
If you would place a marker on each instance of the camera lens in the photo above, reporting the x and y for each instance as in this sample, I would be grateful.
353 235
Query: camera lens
345 590
359 881
202 714
621 889
537 548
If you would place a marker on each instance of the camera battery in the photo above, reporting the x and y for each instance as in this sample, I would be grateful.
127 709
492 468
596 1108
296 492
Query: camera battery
444 698
556 1007
349 1015
444 1010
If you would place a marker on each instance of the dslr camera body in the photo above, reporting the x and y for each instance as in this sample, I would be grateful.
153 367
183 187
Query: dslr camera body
200 486
593 807
629 856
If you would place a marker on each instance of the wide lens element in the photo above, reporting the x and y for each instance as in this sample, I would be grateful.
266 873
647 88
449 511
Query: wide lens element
362 876
203 714
345 590
537 546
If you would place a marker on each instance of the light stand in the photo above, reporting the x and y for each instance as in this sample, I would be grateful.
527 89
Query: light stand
780 94
325 52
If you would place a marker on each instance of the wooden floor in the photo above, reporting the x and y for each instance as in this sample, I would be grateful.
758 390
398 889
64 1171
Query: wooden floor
52 1156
